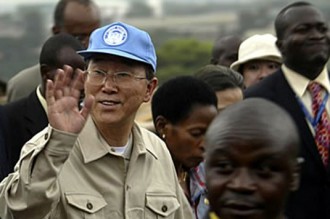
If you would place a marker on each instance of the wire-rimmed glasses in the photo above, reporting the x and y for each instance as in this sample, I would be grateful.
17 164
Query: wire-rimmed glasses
99 77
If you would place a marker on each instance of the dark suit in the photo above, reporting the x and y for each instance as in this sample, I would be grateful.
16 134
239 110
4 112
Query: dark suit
22 119
4 163
312 200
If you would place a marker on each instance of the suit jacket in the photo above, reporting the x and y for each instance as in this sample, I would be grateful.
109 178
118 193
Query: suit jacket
23 83
21 120
312 200
4 164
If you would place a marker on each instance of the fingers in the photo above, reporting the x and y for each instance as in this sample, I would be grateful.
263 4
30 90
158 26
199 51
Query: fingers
77 84
58 84
50 98
88 102
67 85
67 80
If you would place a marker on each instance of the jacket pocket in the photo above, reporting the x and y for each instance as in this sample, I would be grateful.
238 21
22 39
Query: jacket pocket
89 205
161 204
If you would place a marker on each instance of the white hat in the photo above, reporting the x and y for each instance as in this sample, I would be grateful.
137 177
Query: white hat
257 47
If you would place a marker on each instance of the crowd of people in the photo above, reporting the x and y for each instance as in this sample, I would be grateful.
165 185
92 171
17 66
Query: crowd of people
88 132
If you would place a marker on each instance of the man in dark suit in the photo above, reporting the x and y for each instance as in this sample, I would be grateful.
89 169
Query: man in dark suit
76 17
22 119
304 42
4 167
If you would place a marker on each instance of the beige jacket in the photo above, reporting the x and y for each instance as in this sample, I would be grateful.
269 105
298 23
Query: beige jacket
23 83
62 176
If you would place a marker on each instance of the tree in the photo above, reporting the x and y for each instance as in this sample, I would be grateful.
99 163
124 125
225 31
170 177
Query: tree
182 57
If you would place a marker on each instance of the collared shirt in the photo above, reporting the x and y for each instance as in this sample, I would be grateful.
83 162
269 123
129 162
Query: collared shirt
198 192
65 176
126 153
41 99
299 85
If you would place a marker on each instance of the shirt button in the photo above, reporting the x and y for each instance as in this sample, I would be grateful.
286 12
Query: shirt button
89 206
164 208
46 136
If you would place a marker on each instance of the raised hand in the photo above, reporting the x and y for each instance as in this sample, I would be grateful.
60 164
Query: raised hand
62 97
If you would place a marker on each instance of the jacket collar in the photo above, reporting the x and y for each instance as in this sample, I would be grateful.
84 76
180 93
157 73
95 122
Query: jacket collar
299 83
93 147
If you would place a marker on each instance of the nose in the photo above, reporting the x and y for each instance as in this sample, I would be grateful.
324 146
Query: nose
83 39
264 72
110 84
242 181
316 33
202 144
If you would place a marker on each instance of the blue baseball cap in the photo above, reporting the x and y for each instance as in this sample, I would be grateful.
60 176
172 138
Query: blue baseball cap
122 40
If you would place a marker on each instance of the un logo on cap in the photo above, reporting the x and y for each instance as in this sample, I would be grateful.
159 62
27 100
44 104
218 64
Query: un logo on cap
115 35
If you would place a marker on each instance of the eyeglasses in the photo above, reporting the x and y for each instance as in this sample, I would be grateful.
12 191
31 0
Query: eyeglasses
98 77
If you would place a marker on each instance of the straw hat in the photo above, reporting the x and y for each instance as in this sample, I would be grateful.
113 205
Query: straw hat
260 47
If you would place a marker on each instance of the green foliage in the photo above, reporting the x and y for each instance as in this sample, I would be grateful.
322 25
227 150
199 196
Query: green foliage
182 57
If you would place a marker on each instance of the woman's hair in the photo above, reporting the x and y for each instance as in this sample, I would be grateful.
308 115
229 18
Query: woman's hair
220 77
176 98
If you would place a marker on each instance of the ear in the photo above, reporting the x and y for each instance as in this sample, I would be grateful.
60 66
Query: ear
295 179
44 70
56 29
279 45
152 84
160 125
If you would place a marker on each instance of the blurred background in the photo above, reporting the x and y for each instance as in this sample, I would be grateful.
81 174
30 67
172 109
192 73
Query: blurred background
183 31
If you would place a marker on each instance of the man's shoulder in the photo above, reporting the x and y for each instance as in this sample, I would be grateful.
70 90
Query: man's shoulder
23 83
265 87
25 74
150 138
22 103
153 143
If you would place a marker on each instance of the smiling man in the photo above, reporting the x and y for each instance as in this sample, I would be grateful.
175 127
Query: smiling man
250 170
302 87
97 162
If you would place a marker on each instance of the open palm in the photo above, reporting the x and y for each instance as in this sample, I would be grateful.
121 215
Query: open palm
62 97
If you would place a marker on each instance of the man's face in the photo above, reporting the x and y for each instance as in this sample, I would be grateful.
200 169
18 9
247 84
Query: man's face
248 178
80 21
228 51
117 103
306 39
66 56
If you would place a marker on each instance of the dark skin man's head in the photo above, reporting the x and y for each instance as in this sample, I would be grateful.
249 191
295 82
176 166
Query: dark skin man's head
303 38
251 160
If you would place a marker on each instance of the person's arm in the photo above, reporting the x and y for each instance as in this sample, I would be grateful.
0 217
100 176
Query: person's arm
32 191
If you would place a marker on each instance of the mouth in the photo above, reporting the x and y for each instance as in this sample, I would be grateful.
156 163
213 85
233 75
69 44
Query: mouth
109 103
318 45
242 208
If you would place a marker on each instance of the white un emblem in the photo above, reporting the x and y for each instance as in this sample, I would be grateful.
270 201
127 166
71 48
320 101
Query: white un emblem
115 35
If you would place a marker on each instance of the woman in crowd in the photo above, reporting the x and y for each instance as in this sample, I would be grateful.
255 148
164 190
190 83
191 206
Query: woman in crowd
182 109
258 57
